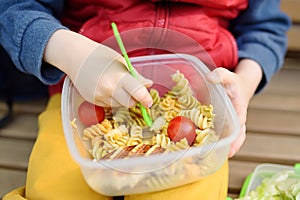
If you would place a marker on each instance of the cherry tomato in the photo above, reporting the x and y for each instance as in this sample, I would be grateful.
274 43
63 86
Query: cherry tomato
90 114
182 127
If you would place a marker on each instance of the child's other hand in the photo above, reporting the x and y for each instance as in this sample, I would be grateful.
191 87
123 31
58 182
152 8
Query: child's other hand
240 87
235 90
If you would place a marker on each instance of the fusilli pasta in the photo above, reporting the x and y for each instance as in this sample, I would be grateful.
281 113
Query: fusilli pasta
123 131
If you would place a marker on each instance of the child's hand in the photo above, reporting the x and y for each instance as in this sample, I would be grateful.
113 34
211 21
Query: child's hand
103 78
236 92
98 72
240 87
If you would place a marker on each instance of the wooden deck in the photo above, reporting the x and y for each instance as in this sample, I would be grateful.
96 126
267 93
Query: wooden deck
273 132
16 141
273 125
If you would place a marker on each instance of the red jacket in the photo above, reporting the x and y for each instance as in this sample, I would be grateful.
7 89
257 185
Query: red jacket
202 21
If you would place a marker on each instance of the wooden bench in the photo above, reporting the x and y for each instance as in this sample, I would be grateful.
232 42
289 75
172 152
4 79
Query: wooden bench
273 121
16 142
273 128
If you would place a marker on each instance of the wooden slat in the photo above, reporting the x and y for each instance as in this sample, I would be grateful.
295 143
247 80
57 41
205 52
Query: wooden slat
285 83
260 147
23 125
277 108
293 38
238 171
291 8
10 180
276 102
273 121
291 63
282 93
34 106
15 153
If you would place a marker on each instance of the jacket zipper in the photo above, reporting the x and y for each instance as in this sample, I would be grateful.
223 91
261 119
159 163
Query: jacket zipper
161 22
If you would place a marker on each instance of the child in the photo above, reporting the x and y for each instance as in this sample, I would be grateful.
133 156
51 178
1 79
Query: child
245 39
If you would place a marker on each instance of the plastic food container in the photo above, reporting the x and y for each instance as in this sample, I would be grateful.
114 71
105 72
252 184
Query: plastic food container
263 171
160 171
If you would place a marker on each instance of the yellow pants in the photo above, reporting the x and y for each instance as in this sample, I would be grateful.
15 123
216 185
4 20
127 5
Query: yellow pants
53 175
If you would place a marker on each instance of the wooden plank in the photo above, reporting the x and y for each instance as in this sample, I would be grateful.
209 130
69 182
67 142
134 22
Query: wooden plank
23 125
291 8
260 147
273 121
286 83
276 102
10 180
277 108
238 171
291 63
15 153
34 106
293 38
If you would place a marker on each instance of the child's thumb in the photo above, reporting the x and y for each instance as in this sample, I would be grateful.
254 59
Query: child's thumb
145 82
219 75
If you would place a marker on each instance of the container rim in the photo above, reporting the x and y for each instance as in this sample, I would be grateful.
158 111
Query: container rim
263 168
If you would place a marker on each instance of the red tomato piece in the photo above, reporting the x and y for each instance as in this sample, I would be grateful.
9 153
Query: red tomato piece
90 114
182 127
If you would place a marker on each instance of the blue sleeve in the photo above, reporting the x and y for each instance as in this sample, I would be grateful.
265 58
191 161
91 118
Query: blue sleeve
260 32
25 28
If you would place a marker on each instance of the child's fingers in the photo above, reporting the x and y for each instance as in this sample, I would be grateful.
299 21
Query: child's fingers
123 98
231 83
137 90
220 75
